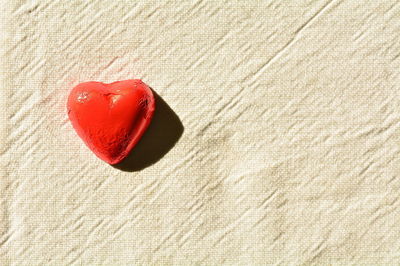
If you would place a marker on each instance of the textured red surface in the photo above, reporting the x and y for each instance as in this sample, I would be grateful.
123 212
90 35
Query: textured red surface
111 118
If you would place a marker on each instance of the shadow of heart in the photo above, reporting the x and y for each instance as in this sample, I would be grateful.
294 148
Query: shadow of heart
160 137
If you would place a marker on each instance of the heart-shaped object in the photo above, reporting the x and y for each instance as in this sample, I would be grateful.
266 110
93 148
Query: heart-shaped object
111 118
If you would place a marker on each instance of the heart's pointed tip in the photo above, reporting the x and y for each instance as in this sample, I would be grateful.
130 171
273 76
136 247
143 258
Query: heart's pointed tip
113 162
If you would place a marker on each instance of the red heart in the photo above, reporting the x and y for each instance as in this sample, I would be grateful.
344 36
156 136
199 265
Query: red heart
111 118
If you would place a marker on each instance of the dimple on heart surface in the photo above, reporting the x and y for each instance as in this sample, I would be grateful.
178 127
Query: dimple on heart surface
111 118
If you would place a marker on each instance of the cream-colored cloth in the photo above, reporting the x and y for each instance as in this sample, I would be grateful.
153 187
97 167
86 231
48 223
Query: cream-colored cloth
289 152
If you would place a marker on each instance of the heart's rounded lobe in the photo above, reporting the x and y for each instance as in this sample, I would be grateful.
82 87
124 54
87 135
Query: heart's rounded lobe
111 118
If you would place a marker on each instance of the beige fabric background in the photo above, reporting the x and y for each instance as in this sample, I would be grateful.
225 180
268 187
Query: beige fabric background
290 150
